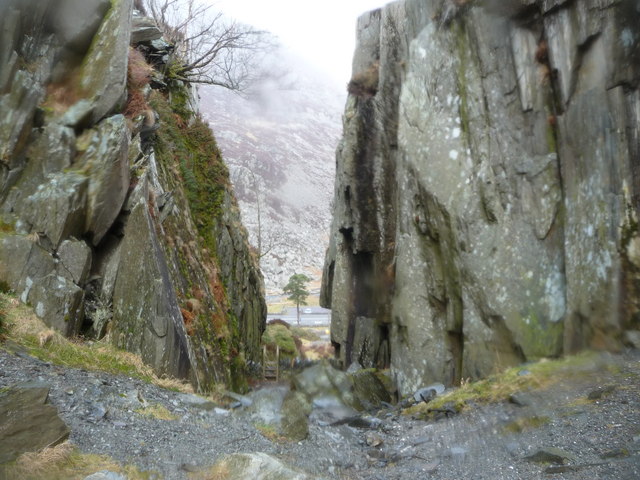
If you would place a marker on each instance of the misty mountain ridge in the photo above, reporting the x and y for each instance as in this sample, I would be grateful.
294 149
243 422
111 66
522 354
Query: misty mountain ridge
279 140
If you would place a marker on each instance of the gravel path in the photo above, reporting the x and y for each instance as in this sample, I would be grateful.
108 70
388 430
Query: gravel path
602 435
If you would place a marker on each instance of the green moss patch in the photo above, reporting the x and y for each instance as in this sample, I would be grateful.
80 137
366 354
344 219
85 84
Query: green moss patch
192 148
499 387
281 336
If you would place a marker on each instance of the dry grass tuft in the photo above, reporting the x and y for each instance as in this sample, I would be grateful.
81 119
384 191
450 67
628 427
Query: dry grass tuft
219 471
65 462
157 411
36 464
139 71
138 76
25 328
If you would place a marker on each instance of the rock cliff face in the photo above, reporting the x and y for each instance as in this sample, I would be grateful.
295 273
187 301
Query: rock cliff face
487 189
112 224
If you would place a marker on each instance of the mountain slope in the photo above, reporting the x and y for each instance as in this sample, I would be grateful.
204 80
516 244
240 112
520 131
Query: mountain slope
279 141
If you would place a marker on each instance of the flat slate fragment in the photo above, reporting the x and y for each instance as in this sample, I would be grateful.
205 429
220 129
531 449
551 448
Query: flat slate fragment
550 455
29 424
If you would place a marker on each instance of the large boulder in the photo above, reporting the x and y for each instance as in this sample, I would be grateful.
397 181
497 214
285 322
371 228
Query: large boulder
58 208
29 423
322 384
105 159
144 29
294 425
104 74
75 22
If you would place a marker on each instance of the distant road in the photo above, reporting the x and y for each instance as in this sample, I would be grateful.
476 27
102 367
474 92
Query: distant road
314 319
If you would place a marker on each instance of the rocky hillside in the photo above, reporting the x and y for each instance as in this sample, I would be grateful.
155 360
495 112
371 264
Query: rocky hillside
118 217
279 141
487 188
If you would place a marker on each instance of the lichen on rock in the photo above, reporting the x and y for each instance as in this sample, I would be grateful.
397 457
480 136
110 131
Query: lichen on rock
481 190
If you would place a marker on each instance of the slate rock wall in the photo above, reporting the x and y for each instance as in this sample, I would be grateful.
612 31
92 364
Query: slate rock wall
487 194
89 221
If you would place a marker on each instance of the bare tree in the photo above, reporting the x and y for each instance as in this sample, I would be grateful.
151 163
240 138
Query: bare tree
211 48
266 241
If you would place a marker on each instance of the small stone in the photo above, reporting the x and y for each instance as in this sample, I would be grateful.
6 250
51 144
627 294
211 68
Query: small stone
420 441
373 439
354 367
458 453
599 392
97 412
105 475
550 455
428 393
188 467
363 422
521 399
615 453
524 372
431 467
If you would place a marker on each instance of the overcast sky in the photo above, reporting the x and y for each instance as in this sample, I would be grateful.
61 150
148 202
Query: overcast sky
321 31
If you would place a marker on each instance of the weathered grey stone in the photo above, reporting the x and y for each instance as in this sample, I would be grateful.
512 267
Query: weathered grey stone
295 412
58 208
428 393
550 455
77 115
486 197
57 301
259 466
369 390
19 107
75 22
75 260
28 423
51 152
632 338
144 29
56 188
14 255
104 75
264 405
105 475
361 390
106 161
146 315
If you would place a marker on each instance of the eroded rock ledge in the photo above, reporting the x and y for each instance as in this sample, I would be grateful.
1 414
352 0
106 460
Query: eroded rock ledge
487 186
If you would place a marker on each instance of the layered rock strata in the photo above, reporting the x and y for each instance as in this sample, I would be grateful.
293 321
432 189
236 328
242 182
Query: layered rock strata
487 186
